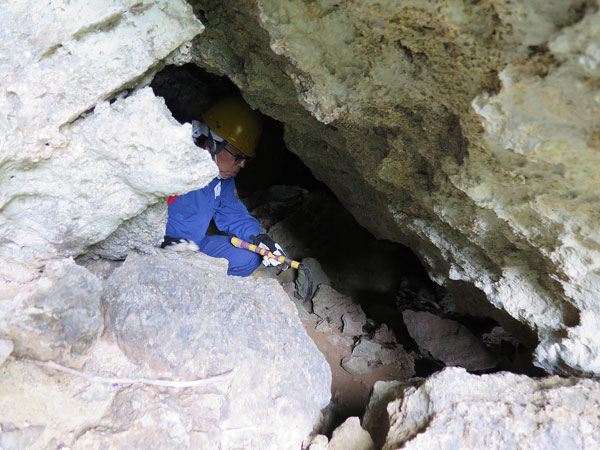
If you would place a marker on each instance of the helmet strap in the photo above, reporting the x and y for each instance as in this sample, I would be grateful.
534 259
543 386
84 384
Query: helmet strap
218 146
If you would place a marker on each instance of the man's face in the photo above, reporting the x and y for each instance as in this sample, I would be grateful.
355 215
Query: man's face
230 160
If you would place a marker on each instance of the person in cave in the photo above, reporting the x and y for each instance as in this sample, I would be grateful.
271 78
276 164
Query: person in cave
230 131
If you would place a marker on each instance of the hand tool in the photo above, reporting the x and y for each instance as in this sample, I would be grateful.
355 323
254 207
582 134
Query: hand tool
282 259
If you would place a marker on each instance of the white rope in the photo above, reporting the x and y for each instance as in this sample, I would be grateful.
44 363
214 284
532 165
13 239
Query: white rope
117 380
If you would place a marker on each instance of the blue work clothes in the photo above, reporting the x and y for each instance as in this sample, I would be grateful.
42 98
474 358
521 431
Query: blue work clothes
190 216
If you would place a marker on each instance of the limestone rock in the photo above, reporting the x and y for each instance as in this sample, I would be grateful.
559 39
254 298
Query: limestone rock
318 442
191 323
454 408
77 410
53 407
57 317
376 419
350 436
75 167
141 233
110 171
448 341
12 437
186 321
339 309
381 350
464 131
64 59
6 348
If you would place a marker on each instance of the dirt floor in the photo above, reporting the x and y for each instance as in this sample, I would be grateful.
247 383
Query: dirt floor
349 392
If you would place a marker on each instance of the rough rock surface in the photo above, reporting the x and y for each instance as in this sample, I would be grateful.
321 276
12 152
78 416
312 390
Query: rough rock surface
57 317
141 233
193 323
260 381
467 131
350 436
339 310
448 341
455 409
381 349
74 167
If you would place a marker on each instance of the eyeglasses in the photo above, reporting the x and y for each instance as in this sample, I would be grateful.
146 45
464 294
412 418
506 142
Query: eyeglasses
239 158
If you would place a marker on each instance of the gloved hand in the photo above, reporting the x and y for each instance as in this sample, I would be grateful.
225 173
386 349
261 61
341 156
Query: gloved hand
264 241
179 244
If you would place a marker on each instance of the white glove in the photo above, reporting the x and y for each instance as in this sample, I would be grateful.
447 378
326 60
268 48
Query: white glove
270 261
264 241
179 245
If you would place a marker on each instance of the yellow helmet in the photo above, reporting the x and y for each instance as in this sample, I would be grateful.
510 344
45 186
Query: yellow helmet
233 120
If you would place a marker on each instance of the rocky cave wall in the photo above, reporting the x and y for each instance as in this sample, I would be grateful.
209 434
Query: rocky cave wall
464 130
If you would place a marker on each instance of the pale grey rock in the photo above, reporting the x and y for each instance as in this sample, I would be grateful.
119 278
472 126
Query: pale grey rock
6 348
79 412
57 402
100 267
112 169
196 260
376 419
317 442
270 399
448 341
350 436
352 323
175 317
339 309
74 167
368 355
339 340
142 418
18 438
142 233
57 317
323 326
454 408
106 47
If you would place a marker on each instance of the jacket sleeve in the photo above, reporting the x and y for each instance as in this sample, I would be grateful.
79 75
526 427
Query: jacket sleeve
232 216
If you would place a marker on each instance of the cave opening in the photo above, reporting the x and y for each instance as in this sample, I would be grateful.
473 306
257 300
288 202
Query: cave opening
385 279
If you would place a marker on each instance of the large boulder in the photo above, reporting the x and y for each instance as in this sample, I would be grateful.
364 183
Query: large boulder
448 341
191 323
192 358
455 409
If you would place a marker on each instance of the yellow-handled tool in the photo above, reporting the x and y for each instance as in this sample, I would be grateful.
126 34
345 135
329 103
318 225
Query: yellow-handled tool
282 259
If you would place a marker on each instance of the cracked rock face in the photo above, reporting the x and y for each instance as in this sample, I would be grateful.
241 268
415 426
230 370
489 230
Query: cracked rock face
467 131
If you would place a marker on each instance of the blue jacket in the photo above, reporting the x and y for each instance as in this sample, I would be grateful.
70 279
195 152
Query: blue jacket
190 214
